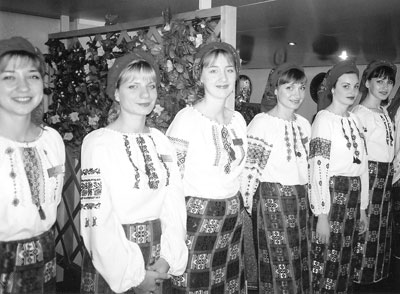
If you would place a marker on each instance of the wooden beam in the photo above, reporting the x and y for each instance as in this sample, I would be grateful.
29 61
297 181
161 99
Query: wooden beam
228 24
145 23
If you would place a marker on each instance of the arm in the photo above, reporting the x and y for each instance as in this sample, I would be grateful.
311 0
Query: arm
319 159
258 153
118 260
173 220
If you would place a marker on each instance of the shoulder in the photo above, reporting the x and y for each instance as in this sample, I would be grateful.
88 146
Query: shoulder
98 138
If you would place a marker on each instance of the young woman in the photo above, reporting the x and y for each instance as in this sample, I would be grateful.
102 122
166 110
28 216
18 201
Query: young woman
133 217
374 246
31 171
338 188
211 144
276 174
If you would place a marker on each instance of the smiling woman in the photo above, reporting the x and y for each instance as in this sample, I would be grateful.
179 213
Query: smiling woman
31 171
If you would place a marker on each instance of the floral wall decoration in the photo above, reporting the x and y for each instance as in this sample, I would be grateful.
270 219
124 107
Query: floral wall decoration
78 76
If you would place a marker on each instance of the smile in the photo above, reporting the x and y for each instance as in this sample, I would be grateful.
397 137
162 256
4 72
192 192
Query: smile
22 99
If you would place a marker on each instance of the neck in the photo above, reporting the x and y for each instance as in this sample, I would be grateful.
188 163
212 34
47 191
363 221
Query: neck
214 109
338 109
17 128
282 112
371 102
129 123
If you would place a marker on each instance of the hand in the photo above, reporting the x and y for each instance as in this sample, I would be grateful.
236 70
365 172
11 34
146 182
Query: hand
160 266
323 230
149 284
363 221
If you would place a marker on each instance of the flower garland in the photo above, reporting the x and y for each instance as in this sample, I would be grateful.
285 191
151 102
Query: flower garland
78 76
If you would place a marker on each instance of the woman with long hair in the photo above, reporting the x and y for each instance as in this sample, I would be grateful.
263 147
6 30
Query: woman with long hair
374 246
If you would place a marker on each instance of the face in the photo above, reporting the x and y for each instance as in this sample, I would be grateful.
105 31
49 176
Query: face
291 95
137 95
346 89
219 78
380 88
21 87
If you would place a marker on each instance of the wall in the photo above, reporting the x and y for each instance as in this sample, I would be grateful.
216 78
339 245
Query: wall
33 28
259 78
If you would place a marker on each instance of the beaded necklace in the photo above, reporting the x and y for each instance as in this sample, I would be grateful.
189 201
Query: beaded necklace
353 142
389 135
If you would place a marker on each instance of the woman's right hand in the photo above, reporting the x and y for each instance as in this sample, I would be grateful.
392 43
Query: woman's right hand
323 229
149 284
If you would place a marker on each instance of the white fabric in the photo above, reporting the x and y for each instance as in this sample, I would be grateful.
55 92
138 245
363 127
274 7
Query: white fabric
329 156
109 199
396 161
23 220
379 133
267 158
202 156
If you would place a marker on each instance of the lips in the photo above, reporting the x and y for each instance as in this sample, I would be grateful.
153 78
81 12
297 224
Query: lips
22 99
145 104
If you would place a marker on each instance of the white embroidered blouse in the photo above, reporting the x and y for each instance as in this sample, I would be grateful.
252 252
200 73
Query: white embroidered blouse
211 155
31 181
277 153
337 148
379 133
128 179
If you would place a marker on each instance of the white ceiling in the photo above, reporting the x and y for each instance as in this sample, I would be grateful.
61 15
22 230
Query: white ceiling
367 29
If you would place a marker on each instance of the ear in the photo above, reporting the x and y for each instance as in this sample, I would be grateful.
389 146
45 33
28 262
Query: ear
276 92
116 96
367 84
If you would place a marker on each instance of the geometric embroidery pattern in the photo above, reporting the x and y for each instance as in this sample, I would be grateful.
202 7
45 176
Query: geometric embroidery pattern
29 253
320 147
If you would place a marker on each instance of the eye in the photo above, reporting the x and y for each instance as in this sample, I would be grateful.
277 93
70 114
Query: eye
356 86
36 76
8 77
231 70
380 82
152 86
390 82
346 86
303 88
133 86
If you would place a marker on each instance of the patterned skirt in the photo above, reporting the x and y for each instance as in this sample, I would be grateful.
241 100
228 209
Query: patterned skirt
93 283
282 238
333 263
28 265
396 220
374 246
215 242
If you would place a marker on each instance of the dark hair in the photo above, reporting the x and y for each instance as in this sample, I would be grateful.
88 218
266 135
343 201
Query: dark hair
23 57
292 75
329 95
383 72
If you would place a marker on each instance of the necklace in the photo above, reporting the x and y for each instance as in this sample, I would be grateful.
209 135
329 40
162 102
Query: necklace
389 135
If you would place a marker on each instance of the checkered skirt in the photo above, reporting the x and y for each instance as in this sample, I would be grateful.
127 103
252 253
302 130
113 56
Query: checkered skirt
283 232
374 246
28 265
147 235
396 220
215 243
333 263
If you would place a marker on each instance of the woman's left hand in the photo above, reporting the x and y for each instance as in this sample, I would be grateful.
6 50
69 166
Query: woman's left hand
363 221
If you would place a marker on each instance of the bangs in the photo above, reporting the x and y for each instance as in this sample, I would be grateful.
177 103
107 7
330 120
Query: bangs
293 75
19 60
213 55
137 70
383 72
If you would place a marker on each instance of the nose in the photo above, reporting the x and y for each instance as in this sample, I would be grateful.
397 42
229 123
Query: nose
22 84
224 75
144 93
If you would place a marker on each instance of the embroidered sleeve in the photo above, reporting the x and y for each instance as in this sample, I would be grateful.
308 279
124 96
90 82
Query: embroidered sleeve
320 150
258 152
179 135
173 220
119 261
